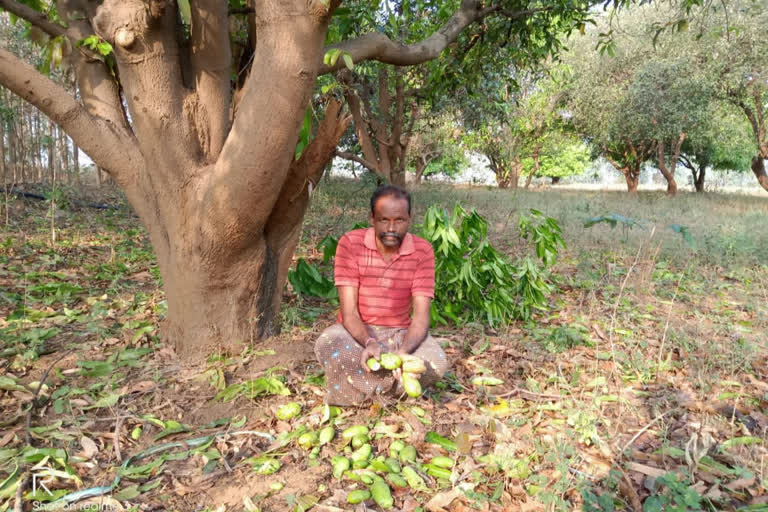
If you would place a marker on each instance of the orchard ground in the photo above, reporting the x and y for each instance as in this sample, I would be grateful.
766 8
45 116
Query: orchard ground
650 360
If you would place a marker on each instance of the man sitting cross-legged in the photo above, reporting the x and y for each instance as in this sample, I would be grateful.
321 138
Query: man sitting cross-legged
386 282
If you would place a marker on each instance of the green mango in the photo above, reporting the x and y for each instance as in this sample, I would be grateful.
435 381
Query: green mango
382 494
287 411
358 496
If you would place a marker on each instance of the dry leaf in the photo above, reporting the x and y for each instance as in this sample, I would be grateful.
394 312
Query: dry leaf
441 500
90 448
741 483
7 438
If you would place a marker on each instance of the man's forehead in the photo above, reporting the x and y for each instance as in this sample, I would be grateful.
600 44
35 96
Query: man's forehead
391 202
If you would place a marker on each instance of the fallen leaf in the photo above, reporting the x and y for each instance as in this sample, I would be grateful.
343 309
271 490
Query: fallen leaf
441 500
7 438
741 483
90 448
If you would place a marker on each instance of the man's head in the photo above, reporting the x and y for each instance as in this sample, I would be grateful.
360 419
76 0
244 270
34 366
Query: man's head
390 215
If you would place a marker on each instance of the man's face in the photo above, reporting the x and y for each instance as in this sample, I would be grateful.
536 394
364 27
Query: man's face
390 220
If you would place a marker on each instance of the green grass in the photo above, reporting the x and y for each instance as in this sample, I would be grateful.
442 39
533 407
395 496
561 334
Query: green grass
727 230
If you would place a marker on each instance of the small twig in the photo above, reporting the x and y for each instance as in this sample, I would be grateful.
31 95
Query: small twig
517 390
642 430
118 427
33 405
18 506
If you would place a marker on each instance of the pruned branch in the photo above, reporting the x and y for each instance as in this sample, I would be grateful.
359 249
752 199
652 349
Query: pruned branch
36 18
377 46
97 137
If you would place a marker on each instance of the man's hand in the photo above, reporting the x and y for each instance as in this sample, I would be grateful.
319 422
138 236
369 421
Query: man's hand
371 350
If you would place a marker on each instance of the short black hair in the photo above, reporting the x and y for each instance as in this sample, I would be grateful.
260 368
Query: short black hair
390 190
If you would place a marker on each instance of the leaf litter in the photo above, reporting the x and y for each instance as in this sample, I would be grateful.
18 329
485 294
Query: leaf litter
545 416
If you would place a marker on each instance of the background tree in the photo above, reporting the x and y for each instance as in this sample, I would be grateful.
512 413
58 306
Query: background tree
722 142
733 45
436 148
666 100
561 155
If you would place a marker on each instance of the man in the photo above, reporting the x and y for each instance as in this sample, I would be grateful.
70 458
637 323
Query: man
386 282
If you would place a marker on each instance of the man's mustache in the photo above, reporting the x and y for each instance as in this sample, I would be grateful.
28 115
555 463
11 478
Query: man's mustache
392 234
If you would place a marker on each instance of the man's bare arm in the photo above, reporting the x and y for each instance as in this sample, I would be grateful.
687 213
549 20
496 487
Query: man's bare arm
350 316
350 319
417 331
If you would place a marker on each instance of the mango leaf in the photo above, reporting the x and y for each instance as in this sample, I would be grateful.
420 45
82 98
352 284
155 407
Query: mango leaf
265 386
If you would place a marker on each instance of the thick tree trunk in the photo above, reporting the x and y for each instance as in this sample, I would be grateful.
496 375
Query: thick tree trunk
698 178
632 175
668 169
758 167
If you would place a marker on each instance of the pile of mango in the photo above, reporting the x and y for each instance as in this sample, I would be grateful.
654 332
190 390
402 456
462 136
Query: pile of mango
379 473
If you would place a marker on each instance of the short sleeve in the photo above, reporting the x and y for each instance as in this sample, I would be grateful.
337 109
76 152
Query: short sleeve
424 277
345 270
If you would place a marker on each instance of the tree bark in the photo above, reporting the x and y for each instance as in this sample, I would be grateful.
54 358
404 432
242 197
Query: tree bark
632 177
556 180
76 163
668 168
536 158
758 167
698 179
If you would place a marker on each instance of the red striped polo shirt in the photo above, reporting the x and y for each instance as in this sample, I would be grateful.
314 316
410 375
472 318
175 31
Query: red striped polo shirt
385 288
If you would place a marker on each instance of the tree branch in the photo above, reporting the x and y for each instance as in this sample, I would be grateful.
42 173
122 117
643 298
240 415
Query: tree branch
36 18
210 57
686 162
353 157
377 46
99 90
98 137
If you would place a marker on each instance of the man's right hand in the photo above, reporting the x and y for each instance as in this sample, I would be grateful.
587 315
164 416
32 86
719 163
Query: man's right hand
371 350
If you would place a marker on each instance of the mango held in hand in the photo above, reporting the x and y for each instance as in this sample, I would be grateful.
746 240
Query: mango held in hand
373 364
411 385
412 364
390 361
287 411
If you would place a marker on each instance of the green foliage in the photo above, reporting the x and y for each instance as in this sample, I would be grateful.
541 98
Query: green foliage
560 158
545 234
97 44
613 220
307 279
676 495
476 283
684 232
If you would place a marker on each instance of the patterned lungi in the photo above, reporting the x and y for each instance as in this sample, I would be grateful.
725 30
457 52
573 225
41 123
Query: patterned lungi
349 384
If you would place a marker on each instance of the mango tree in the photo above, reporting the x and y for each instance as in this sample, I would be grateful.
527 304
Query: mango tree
203 139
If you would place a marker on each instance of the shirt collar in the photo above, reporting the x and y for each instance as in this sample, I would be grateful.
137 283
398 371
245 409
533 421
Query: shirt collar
407 247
